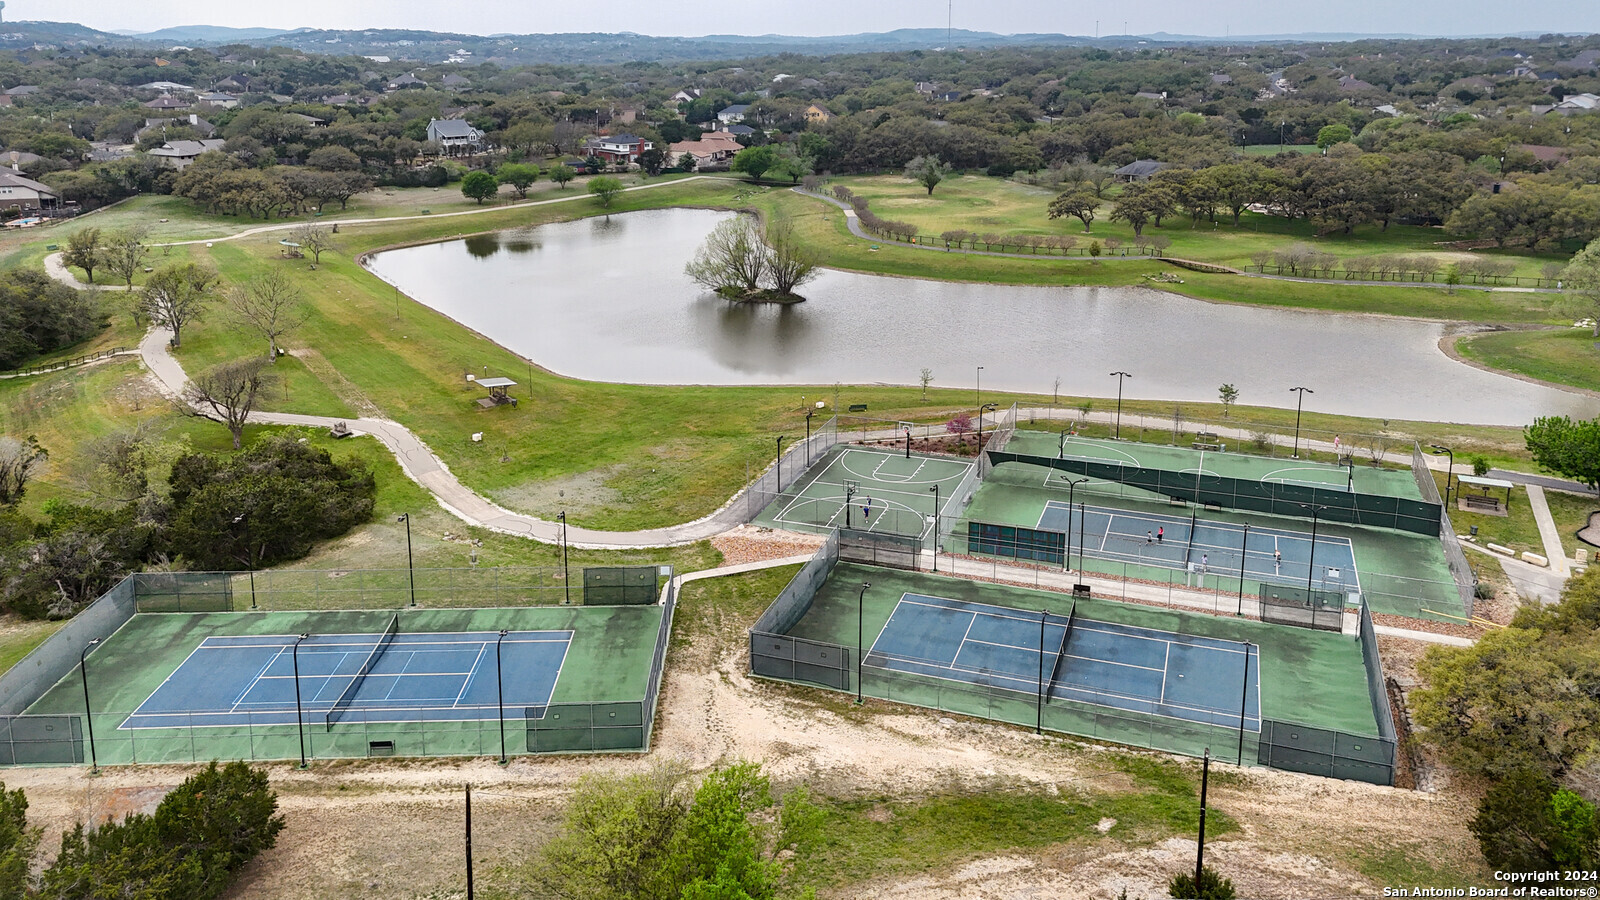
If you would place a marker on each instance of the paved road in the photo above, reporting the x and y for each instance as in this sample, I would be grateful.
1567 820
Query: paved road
1550 482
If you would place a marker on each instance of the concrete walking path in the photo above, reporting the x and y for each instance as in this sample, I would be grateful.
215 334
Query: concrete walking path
1547 531
1530 580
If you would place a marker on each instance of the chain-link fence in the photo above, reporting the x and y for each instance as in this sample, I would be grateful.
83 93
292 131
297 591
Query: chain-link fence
1466 579
785 470
1284 605
895 551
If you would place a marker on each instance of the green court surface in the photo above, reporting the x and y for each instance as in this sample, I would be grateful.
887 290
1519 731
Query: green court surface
1305 676
1400 573
607 664
1367 480
890 492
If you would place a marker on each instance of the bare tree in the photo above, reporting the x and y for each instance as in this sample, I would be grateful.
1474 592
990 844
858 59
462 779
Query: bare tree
271 305
228 392
927 379
732 259
19 461
176 295
123 253
790 263
315 240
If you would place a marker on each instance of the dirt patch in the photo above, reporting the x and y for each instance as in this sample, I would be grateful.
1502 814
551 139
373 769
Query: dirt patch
577 494
750 543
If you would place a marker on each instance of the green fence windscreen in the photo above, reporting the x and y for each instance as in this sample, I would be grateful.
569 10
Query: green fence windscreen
1275 497
619 586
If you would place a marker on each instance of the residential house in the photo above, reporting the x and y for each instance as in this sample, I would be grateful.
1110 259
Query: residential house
404 82
734 113
1151 95
817 114
201 126
713 150
454 82
1573 103
167 87
1138 170
1588 59
739 131
1352 83
1221 78
219 100
22 90
810 83
455 136
311 121
1477 84
687 95
167 101
927 87
179 154
106 151
18 190
948 96
12 159
618 150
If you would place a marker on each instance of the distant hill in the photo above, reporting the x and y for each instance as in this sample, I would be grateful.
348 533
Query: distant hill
209 34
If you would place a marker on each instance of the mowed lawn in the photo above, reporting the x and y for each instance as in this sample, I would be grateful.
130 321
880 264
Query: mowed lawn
1569 356
983 204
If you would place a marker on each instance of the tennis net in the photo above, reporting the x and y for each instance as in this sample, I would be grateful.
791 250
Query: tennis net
349 695
1188 551
1066 639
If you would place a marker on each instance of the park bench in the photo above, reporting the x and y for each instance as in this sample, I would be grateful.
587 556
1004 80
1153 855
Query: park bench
1474 501
1205 440
858 407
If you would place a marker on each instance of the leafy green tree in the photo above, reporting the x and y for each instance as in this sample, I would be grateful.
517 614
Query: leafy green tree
927 171
334 158
1229 395
562 174
1526 823
1079 202
1139 205
271 503
124 254
1580 285
520 176
1566 447
19 462
1337 133
652 161
605 188
17 843
754 161
479 186
83 251
616 837
39 314
791 164
1210 887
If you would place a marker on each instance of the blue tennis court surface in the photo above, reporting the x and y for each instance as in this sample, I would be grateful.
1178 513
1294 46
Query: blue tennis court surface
1272 554
1179 676
417 677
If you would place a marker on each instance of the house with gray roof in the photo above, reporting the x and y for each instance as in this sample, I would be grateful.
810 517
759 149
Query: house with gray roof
455 136
19 190
734 113
1138 170
179 154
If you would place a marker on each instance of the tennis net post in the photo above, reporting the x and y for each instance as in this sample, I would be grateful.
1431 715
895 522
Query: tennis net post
346 698
1066 640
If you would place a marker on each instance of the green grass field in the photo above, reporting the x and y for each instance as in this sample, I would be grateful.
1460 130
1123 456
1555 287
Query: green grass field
984 205
1559 355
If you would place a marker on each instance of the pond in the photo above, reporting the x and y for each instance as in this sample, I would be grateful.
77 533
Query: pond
606 299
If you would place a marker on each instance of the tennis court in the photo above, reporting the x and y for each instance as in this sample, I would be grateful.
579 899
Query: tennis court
871 490
1124 667
1269 554
375 677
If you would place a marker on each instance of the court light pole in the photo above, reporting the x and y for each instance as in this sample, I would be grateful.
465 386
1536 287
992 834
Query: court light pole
411 572
1082 514
935 490
980 387
1038 714
299 712
1072 487
809 414
1438 449
1311 564
779 488
500 694
861 611
566 581
88 711
1298 403
1119 375
1244 699
1244 554
981 410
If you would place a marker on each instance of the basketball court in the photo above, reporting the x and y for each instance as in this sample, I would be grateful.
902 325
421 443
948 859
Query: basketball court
870 489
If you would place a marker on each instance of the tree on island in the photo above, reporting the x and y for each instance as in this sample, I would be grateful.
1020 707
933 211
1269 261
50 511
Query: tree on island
927 171
739 263
790 263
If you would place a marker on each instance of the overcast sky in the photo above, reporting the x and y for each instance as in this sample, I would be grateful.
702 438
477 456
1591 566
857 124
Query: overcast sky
666 17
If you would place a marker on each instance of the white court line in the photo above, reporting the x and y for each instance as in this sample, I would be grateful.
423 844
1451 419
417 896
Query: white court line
467 682
1166 662
252 683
